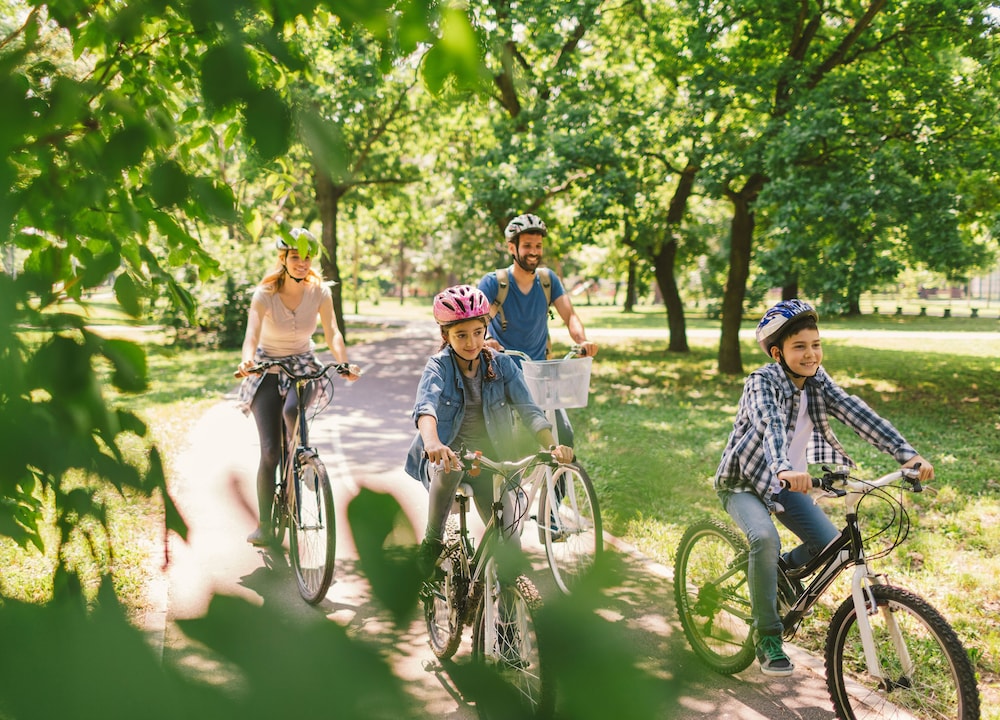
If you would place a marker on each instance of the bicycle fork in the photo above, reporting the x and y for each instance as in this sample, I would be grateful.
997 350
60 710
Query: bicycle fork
866 606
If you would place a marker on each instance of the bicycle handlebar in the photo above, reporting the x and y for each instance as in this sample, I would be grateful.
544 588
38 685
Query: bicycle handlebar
340 368
575 351
841 476
473 461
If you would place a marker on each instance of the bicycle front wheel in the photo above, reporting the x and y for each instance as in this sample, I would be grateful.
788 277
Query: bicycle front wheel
313 536
445 597
922 669
569 524
713 596
504 638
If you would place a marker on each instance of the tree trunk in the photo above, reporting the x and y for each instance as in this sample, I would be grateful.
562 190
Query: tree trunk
664 261
790 290
740 251
328 199
663 265
630 289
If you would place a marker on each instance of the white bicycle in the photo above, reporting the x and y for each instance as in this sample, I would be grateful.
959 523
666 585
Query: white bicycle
568 516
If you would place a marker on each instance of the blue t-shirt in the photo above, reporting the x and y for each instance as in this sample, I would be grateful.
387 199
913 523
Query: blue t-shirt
527 315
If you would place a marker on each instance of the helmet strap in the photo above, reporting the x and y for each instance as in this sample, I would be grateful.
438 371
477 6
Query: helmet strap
298 280
784 366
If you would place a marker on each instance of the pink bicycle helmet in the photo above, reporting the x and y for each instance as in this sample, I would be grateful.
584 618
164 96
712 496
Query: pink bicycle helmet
770 326
458 303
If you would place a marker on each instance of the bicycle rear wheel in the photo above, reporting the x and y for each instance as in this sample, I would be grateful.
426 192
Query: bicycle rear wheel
569 524
713 596
504 638
444 598
313 536
925 671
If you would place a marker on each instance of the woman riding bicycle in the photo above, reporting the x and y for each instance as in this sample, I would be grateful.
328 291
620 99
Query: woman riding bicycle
466 397
782 424
280 326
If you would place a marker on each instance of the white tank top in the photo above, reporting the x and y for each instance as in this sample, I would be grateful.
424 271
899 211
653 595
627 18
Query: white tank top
798 443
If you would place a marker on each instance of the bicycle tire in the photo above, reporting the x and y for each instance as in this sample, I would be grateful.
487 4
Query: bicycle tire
573 537
513 650
941 685
313 529
445 598
713 596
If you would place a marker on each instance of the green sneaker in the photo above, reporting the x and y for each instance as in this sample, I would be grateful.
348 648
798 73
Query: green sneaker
772 658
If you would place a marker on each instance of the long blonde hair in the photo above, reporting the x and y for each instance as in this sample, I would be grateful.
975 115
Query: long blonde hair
275 280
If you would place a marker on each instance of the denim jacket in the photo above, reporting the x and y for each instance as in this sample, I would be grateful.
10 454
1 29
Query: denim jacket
441 394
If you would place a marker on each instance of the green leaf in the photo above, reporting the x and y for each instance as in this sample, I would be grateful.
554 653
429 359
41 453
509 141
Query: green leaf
168 184
268 123
129 362
225 71
127 294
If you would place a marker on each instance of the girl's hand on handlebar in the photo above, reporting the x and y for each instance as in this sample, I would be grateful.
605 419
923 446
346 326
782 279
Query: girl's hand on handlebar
926 470
441 454
796 481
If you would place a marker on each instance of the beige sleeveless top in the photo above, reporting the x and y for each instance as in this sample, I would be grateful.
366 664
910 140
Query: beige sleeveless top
287 332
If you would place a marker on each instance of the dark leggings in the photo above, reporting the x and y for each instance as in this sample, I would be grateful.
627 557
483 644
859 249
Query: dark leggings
270 411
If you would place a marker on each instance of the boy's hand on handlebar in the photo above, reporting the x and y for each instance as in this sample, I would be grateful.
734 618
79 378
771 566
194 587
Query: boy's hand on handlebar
796 481
926 470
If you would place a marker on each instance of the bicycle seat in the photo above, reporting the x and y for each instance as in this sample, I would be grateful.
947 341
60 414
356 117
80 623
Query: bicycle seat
464 490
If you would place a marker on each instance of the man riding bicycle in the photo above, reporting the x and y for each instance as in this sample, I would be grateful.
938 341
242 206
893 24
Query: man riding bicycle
520 296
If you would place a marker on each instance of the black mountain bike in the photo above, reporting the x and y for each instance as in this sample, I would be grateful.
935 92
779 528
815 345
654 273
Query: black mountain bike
469 585
889 654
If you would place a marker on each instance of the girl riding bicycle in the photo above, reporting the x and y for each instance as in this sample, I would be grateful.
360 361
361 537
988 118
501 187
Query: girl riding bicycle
280 326
466 397
782 424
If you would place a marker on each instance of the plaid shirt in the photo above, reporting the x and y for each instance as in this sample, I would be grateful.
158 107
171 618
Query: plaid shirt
299 364
757 449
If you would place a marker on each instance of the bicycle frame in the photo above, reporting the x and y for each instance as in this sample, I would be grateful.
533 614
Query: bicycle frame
845 550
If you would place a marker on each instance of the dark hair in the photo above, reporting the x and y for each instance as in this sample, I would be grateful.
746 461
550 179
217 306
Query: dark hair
806 322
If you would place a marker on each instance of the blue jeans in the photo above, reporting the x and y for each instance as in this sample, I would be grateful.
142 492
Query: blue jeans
803 517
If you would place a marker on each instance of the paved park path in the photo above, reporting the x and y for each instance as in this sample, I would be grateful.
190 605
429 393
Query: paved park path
363 440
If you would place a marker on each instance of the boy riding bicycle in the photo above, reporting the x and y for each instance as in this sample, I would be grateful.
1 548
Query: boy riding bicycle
782 424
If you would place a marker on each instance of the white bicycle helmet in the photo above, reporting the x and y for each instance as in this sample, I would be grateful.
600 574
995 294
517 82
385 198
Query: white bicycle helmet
302 240
525 223
770 326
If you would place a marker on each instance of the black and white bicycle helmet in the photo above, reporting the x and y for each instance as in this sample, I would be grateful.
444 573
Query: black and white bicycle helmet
525 223
770 326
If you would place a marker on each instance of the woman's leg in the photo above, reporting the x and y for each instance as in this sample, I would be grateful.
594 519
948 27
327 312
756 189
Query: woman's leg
809 523
266 410
753 518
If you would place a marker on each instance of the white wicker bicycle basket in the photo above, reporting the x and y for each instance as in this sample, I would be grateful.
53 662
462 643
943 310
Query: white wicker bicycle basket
558 383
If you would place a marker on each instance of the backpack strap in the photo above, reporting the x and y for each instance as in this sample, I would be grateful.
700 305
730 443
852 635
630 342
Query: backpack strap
503 285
